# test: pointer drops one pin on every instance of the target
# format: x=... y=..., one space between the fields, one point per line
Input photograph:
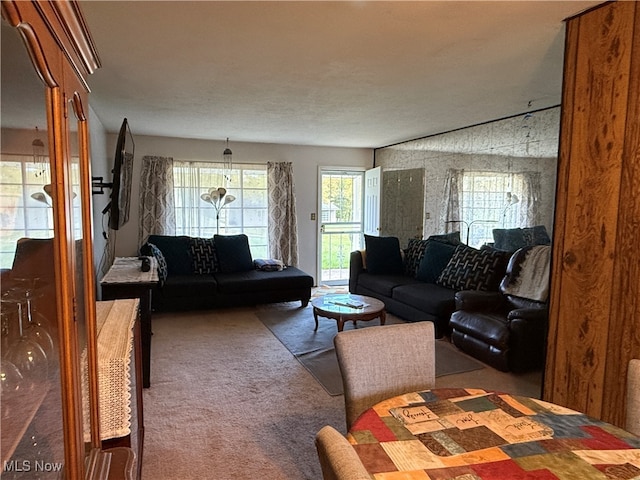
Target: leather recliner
x=508 y=329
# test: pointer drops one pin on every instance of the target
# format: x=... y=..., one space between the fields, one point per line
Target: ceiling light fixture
x=37 y=147
x=227 y=161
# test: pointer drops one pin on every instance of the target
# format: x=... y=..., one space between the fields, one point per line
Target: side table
x=125 y=279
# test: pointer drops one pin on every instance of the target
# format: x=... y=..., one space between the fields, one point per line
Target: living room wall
x=306 y=161
x=101 y=164
x=516 y=143
x=525 y=142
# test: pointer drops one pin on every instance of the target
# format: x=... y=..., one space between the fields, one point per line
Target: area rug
x=293 y=326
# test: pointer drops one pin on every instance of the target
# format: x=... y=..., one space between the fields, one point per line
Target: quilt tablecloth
x=473 y=434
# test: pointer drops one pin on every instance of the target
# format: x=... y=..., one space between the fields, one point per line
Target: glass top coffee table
x=347 y=308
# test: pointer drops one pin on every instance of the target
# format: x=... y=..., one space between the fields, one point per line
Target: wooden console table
x=120 y=376
x=125 y=279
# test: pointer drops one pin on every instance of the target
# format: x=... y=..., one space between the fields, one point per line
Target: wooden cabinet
x=595 y=287
x=47 y=53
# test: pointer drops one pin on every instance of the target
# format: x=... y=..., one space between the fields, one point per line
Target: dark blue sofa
x=198 y=273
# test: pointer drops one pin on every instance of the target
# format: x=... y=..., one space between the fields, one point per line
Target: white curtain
x=187 y=198
x=530 y=208
x=452 y=201
x=283 y=227
x=157 y=205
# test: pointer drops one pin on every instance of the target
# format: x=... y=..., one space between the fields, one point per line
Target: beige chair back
x=380 y=362
x=632 y=423
x=338 y=459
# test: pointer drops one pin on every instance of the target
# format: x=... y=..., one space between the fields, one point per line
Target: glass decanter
x=27 y=355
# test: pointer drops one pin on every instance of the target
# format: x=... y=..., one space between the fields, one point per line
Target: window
x=489 y=200
x=247 y=214
x=20 y=214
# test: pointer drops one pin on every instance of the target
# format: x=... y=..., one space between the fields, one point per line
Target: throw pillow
x=452 y=238
x=511 y=239
x=501 y=268
x=234 y=254
x=163 y=271
x=508 y=239
x=176 y=252
x=383 y=255
x=416 y=247
x=203 y=255
x=471 y=269
x=412 y=255
x=536 y=235
x=268 y=264
x=436 y=256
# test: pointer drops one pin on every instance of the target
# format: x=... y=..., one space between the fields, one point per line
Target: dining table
x=475 y=434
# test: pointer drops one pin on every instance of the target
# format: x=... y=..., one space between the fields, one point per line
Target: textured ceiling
x=352 y=74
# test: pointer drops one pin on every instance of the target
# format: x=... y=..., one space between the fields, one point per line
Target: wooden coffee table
x=347 y=308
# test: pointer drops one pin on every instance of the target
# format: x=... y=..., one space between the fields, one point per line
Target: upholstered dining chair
x=632 y=418
x=338 y=459
x=384 y=361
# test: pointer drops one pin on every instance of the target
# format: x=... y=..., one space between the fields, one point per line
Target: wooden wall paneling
x=586 y=269
x=624 y=344
x=587 y=265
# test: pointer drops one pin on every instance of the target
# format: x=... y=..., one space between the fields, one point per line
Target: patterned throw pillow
x=203 y=255
x=536 y=235
x=413 y=254
x=511 y=239
x=471 y=269
x=163 y=271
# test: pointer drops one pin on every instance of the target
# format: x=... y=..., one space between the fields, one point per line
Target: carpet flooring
x=314 y=350
x=229 y=402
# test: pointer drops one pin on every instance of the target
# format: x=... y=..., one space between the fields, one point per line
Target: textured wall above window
x=523 y=143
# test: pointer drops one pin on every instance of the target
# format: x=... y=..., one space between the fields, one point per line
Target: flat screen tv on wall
x=120 y=203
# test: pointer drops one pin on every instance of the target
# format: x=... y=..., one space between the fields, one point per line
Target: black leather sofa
x=423 y=285
x=508 y=329
x=197 y=273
